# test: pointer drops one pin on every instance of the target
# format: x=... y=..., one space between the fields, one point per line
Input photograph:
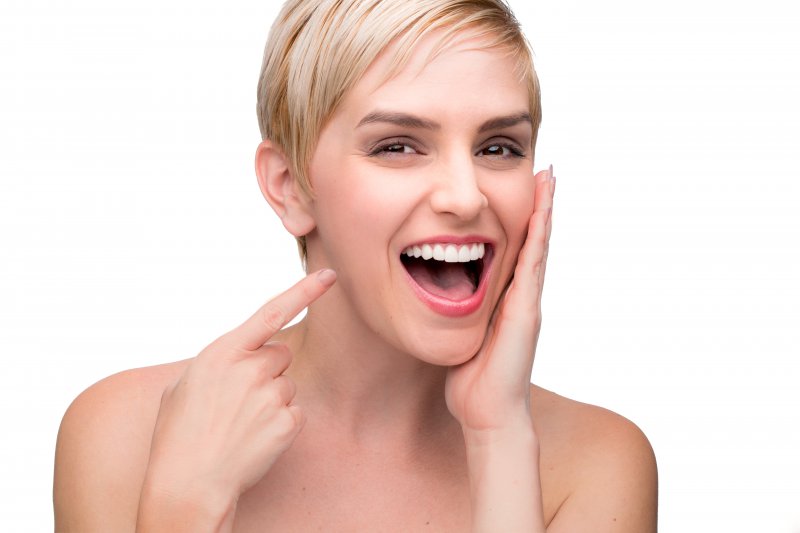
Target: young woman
x=398 y=144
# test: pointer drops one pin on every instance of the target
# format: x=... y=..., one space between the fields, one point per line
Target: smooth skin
x=598 y=466
x=330 y=424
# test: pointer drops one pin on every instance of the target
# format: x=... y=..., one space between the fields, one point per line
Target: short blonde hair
x=317 y=50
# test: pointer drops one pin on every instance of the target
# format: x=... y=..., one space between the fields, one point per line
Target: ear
x=281 y=190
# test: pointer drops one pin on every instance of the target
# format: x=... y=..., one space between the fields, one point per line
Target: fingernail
x=326 y=276
x=551 y=172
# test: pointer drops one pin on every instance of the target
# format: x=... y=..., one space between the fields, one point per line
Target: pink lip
x=460 y=308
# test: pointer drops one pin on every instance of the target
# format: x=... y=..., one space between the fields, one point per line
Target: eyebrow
x=398 y=119
x=411 y=121
x=505 y=122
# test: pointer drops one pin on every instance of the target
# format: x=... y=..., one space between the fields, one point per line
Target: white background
x=132 y=231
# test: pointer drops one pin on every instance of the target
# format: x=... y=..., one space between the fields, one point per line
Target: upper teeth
x=449 y=253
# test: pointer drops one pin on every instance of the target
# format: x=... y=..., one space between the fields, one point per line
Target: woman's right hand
x=227 y=419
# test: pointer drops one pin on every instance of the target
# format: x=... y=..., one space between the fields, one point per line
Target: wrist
x=505 y=488
x=514 y=430
x=178 y=507
x=499 y=446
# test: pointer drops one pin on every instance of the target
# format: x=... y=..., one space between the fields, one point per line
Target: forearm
x=505 y=488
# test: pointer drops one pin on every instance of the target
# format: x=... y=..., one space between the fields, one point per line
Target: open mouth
x=449 y=271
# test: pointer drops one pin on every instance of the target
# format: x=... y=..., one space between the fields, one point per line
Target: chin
x=446 y=350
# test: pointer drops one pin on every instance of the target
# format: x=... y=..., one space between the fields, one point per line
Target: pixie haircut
x=318 y=50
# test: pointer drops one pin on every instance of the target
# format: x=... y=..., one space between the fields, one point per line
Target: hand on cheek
x=492 y=390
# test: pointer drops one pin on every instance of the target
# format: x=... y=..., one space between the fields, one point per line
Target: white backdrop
x=132 y=231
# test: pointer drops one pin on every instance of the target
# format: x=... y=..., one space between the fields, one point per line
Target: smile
x=449 y=277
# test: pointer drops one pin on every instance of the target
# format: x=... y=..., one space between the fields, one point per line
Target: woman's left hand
x=491 y=391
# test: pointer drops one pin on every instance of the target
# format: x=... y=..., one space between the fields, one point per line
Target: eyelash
x=382 y=148
x=515 y=151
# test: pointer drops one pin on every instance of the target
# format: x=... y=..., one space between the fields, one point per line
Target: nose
x=457 y=191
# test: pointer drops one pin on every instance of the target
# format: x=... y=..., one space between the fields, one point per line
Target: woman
x=398 y=143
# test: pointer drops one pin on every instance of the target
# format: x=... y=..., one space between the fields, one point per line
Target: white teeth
x=450 y=253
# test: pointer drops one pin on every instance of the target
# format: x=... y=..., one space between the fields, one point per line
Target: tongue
x=446 y=280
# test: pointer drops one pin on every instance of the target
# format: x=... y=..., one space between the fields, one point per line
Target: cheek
x=513 y=203
x=358 y=212
x=368 y=200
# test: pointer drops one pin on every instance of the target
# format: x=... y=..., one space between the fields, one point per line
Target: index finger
x=267 y=321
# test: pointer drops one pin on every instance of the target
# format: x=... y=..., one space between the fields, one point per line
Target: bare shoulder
x=103 y=447
x=599 y=466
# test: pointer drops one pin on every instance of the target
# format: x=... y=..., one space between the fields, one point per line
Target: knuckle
x=538 y=266
x=291 y=389
x=274 y=394
x=280 y=347
x=273 y=317
x=278 y=350
x=276 y=360
x=261 y=372
x=541 y=238
x=285 y=387
x=284 y=423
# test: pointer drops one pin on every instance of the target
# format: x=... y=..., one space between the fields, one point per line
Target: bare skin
x=592 y=461
x=376 y=412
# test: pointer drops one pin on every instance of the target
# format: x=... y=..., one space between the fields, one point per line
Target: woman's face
x=437 y=159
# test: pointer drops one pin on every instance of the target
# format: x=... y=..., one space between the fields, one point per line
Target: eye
x=393 y=148
x=501 y=151
x=398 y=149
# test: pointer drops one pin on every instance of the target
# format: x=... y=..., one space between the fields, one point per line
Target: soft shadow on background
x=132 y=231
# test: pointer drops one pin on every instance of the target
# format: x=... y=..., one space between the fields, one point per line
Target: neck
x=360 y=388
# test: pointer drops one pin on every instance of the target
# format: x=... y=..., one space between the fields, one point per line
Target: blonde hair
x=317 y=50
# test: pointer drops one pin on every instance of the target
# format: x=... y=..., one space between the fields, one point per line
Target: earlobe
x=281 y=190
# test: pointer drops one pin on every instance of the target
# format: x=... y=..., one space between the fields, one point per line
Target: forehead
x=464 y=71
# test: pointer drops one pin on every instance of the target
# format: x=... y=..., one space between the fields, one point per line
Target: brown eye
x=398 y=149
x=393 y=148
x=501 y=151
x=495 y=150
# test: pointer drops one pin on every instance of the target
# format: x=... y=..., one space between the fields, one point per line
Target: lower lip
x=453 y=308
